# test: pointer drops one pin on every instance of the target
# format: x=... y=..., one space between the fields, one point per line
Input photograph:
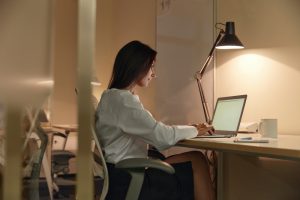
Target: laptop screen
x=228 y=113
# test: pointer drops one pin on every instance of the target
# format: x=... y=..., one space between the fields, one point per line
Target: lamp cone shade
x=230 y=40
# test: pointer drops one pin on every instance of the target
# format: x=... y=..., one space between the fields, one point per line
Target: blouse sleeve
x=134 y=120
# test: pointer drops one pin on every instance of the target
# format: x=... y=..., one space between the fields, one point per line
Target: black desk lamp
x=225 y=40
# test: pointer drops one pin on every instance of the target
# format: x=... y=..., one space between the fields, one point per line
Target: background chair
x=60 y=158
x=59 y=161
x=35 y=147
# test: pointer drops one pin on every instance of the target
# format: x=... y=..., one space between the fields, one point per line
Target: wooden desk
x=66 y=127
x=62 y=128
x=285 y=147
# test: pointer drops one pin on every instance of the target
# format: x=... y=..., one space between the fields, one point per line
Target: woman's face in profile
x=144 y=82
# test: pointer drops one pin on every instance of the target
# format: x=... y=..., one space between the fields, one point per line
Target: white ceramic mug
x=268 y=128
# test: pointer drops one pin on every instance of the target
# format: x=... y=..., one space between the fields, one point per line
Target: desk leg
x=220 y=177
x=47 y=172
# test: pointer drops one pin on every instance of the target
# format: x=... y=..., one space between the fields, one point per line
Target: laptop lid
x=228 y=114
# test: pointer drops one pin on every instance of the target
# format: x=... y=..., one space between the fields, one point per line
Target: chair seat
x=62 y=156
x=60 y=161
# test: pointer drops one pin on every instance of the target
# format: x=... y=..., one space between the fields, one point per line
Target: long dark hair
x=132 y=63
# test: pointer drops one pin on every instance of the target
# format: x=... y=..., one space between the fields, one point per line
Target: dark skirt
x=157 y=185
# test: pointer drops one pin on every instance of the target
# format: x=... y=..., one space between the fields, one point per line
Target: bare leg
x=203 y=189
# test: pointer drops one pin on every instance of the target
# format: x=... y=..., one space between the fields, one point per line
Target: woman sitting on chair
x=126 y=129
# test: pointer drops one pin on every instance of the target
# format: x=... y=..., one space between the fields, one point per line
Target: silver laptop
x=227 y=116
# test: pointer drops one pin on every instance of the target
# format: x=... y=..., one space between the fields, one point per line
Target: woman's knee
x=198 y=155
x=191 y=156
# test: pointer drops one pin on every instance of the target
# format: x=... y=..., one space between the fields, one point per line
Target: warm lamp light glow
x=230 y=47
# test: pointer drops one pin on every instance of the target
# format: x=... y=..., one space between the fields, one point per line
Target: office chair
x=134 y=166
x=64 y=182
x=60 y=158
x=32 y=182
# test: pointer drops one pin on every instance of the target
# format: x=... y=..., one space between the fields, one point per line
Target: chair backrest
x=99 y=160
x=134 y=166
x=105 y=171
x=36 y=156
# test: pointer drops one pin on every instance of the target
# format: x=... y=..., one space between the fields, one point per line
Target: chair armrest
x=59 y=134
x=139 y=163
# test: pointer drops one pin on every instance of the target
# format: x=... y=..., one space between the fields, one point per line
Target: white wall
x=25 y=52
x=184 y=39
x=119 y=22
x=268 y=69
x=63 y=99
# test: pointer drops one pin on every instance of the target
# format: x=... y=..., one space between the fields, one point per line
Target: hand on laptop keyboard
x=204 y=128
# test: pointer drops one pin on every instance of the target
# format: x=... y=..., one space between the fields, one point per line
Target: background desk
x=286 y=147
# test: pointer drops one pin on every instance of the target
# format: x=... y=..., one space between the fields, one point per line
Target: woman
x=126 y=129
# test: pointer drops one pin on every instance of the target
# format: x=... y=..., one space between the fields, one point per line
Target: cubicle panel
x=25 y=76
x=85 y=62
x=25 y=50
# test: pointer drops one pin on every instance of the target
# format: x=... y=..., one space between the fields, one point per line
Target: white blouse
x=125 y=127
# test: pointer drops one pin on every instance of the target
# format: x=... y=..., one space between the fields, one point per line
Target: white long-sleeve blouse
x=125 y=128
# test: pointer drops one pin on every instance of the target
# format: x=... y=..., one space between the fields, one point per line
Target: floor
x=66 y=185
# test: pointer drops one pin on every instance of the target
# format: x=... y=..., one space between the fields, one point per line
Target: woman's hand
x=204 y=128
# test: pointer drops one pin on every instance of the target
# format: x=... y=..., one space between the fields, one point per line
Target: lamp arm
x=204 y=103
x=210 y=55
x=199 y=75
